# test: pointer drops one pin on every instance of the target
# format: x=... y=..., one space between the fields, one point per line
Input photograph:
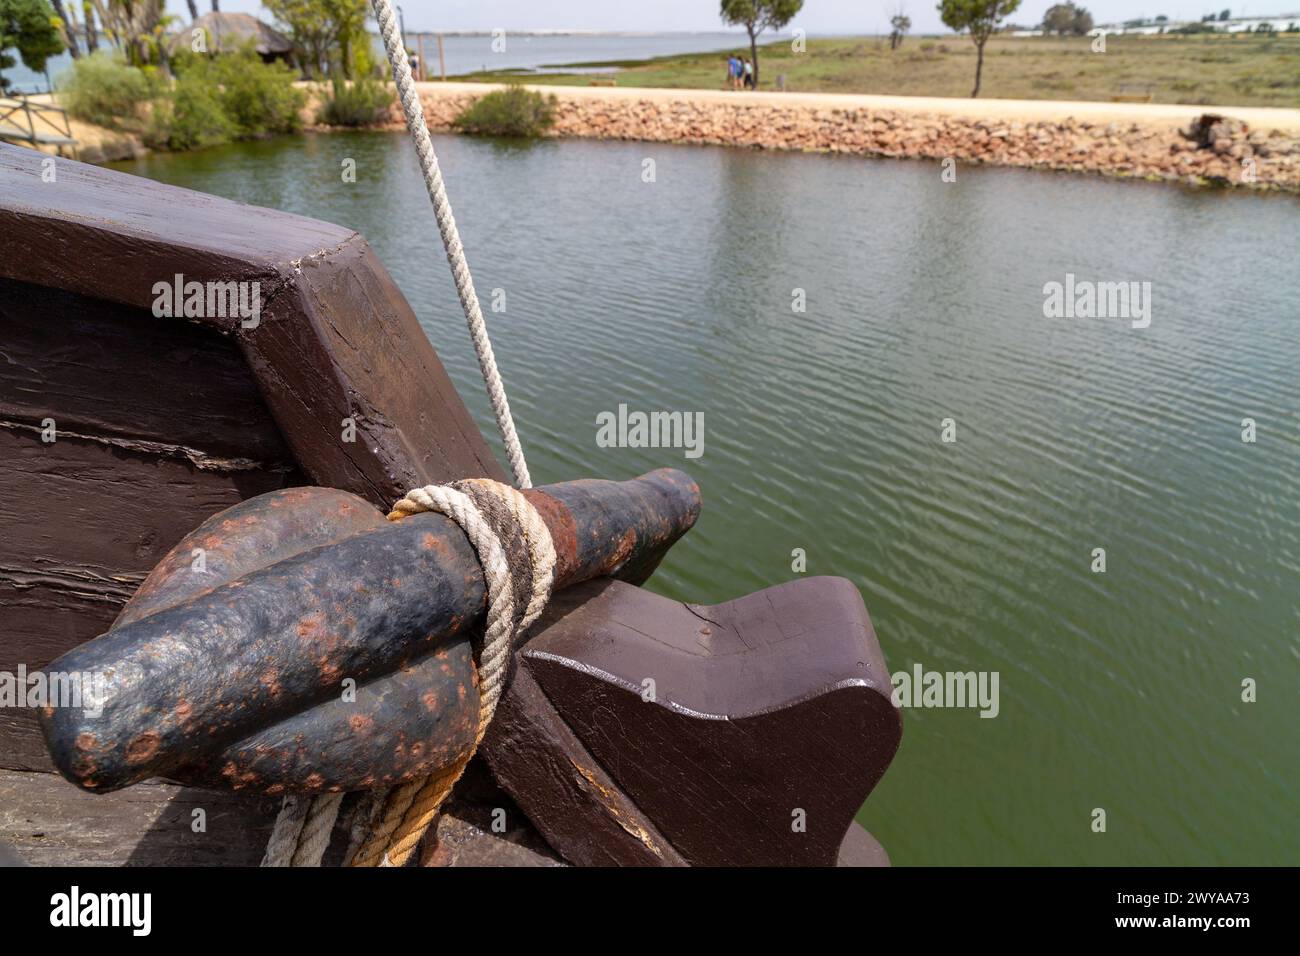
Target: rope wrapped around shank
x=515 y=550
x=518 y=557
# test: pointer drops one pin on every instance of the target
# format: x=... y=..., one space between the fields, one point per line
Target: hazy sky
x=818 y=16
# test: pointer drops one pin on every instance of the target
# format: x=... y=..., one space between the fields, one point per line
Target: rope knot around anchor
x=517 y=555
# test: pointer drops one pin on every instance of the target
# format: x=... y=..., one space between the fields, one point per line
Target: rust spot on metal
x=360 y=723
x=311 y=626
x=142 y=748
x=564 y=532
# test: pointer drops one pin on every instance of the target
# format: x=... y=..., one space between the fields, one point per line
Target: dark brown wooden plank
x=764 y=711
x=563 y=789
x=38 y=622
x=88 y=517
x=105 y=370
x=336 y=339
x=341 y=342
x=109 y=235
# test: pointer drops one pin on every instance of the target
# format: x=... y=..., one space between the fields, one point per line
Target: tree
x=1059 y=18
x=194 y=10
x=133 y=26
x=27 y=26
x=1063 y=18
x=1225 y=15
x=899 y=25
x=324 y=32
x=980 y=18
x=88 y=13
x=759 y=15
x=66 y=24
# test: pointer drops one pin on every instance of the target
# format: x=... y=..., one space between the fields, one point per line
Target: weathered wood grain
x=161 y=386
x=48 y=822
x=336 y=339
x=83 y=522
x=750 y=732
x=563 y=788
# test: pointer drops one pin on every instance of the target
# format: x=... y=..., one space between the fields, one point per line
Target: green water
x=1120 y=691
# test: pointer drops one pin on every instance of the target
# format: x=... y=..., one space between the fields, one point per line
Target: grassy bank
x=1238 y=70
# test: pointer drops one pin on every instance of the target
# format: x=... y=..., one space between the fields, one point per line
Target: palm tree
x=132 y=26
x=67 y=27
x=92 y=38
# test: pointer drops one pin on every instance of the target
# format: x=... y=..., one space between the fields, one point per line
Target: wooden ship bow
x=316 y=647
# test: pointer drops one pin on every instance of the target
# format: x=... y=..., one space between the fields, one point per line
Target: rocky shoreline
x=1211 y=149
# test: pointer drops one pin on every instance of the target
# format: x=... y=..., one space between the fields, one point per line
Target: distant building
x=1280 y=24
x=228 y=32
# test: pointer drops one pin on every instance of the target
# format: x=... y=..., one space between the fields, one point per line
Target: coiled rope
x=512 y=542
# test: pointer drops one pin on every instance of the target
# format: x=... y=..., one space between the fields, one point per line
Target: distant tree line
x=329 y=36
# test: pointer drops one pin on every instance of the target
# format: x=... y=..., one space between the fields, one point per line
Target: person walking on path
x=734 y=71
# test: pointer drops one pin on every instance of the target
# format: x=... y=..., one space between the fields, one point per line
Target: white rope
x=314 y=838
x=503 y=623
x=289 y=826
x=414 y=112
x=284 y=835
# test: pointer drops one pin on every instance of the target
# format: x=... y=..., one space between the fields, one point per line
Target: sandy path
x=1025 y=111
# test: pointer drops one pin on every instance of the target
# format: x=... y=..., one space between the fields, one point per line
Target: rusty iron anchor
x=299 y=642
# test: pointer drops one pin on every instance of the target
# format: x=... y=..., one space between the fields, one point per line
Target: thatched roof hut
x=227 y=32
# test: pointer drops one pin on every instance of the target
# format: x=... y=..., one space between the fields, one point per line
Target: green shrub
x=103 y=90
x=190 y=117
x=258 y=98
x=361 y=103
x=514 y=111
x=217 y=99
